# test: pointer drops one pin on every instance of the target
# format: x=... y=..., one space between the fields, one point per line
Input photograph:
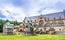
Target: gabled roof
x=50 y=16
x=55 y=15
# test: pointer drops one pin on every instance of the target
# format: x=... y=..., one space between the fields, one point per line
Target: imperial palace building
x=45 y=22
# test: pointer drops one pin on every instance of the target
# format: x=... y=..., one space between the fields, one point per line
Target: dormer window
x=54 y=18
x=48 y=19
x=60 y=18
x=35 y=20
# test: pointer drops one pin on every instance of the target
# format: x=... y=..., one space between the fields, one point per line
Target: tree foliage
x=4 y=21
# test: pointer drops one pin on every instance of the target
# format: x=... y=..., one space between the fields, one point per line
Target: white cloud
x=50 y=6
x=48 y=11
x=13 y=13
x=18 y=12
x=37 y=5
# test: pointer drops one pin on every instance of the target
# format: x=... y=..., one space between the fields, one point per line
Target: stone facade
x=45 y=22
x=8 y=28
x=41 y=22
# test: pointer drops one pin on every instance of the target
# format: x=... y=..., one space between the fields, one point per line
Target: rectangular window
x=47 y=25
x=61 y=23
x=41 y=25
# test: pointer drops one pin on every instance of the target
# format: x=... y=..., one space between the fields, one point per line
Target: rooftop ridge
x=45 y=14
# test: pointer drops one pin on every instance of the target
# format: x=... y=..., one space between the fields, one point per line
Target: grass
x=37 y=37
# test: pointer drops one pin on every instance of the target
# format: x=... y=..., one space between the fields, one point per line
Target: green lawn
x=37 y=37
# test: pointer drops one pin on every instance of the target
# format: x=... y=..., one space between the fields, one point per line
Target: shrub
x=51 y=31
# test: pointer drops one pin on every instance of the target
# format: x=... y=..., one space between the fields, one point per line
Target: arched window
x=21 y=30
x=59 y=29
x=26 y=26
x=41 y=23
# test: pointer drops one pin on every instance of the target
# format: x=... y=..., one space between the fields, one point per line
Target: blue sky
x=19 y=9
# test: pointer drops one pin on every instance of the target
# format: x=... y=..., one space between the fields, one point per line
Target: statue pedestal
x=29 y=31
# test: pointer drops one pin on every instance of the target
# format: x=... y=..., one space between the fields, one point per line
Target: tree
x=1 y=24
x=4 y=21
x=15 y=22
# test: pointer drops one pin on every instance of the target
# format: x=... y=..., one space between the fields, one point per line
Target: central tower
x=41 y=21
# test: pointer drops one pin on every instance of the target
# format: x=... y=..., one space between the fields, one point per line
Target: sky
x=19 y=9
